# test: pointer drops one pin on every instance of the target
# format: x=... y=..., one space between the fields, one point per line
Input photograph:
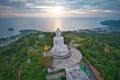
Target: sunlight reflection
x=57 y=24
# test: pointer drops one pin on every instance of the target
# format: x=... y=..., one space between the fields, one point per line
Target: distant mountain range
x=111 y=23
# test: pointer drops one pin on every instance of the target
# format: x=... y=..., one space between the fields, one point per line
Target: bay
x=47 y=24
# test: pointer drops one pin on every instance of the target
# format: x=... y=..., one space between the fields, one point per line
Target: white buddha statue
x=59 y=48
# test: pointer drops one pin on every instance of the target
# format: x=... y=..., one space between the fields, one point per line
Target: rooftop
x=76 y=73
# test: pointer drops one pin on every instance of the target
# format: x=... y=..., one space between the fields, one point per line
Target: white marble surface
x=59 y=48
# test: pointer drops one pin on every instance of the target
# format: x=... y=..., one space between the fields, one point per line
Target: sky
x=60 y=8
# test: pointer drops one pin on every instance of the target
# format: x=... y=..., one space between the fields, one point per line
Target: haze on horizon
x=59 y=8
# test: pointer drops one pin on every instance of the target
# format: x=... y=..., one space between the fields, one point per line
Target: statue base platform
x=60 y=56
x=71 y=59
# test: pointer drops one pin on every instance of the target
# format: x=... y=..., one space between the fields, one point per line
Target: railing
x=91 y=73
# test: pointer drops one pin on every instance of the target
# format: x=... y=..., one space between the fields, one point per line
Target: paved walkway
x=68 y=62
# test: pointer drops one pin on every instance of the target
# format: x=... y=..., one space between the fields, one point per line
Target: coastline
x=11 y=39
x=110 y=28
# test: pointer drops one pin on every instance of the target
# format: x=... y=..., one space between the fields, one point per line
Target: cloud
x=81 y=7
x=4 y=9
x=17 y=0
x=105 y=11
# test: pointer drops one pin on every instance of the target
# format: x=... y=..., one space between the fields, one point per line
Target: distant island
x=111 y=23
x=10 y=29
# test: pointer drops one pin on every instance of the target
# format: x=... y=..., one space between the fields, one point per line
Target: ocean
x=47 y=24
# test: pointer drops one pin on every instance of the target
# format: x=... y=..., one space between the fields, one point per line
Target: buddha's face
x=58 y=32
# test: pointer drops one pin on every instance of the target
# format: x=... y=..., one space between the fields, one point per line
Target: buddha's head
x=58 y=32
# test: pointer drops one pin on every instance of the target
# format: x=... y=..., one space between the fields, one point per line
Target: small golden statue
x=46 y=47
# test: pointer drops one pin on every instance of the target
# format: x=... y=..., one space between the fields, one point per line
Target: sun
x=57 y=10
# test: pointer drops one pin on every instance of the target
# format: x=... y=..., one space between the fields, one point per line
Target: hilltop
x=102 y=50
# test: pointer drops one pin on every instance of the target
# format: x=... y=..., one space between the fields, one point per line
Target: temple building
x=75 y=73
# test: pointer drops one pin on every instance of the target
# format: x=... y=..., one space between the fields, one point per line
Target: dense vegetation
x=102 y=50
x=14 y=59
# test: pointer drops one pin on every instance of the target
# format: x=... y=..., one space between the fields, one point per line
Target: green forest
x=102 y=50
